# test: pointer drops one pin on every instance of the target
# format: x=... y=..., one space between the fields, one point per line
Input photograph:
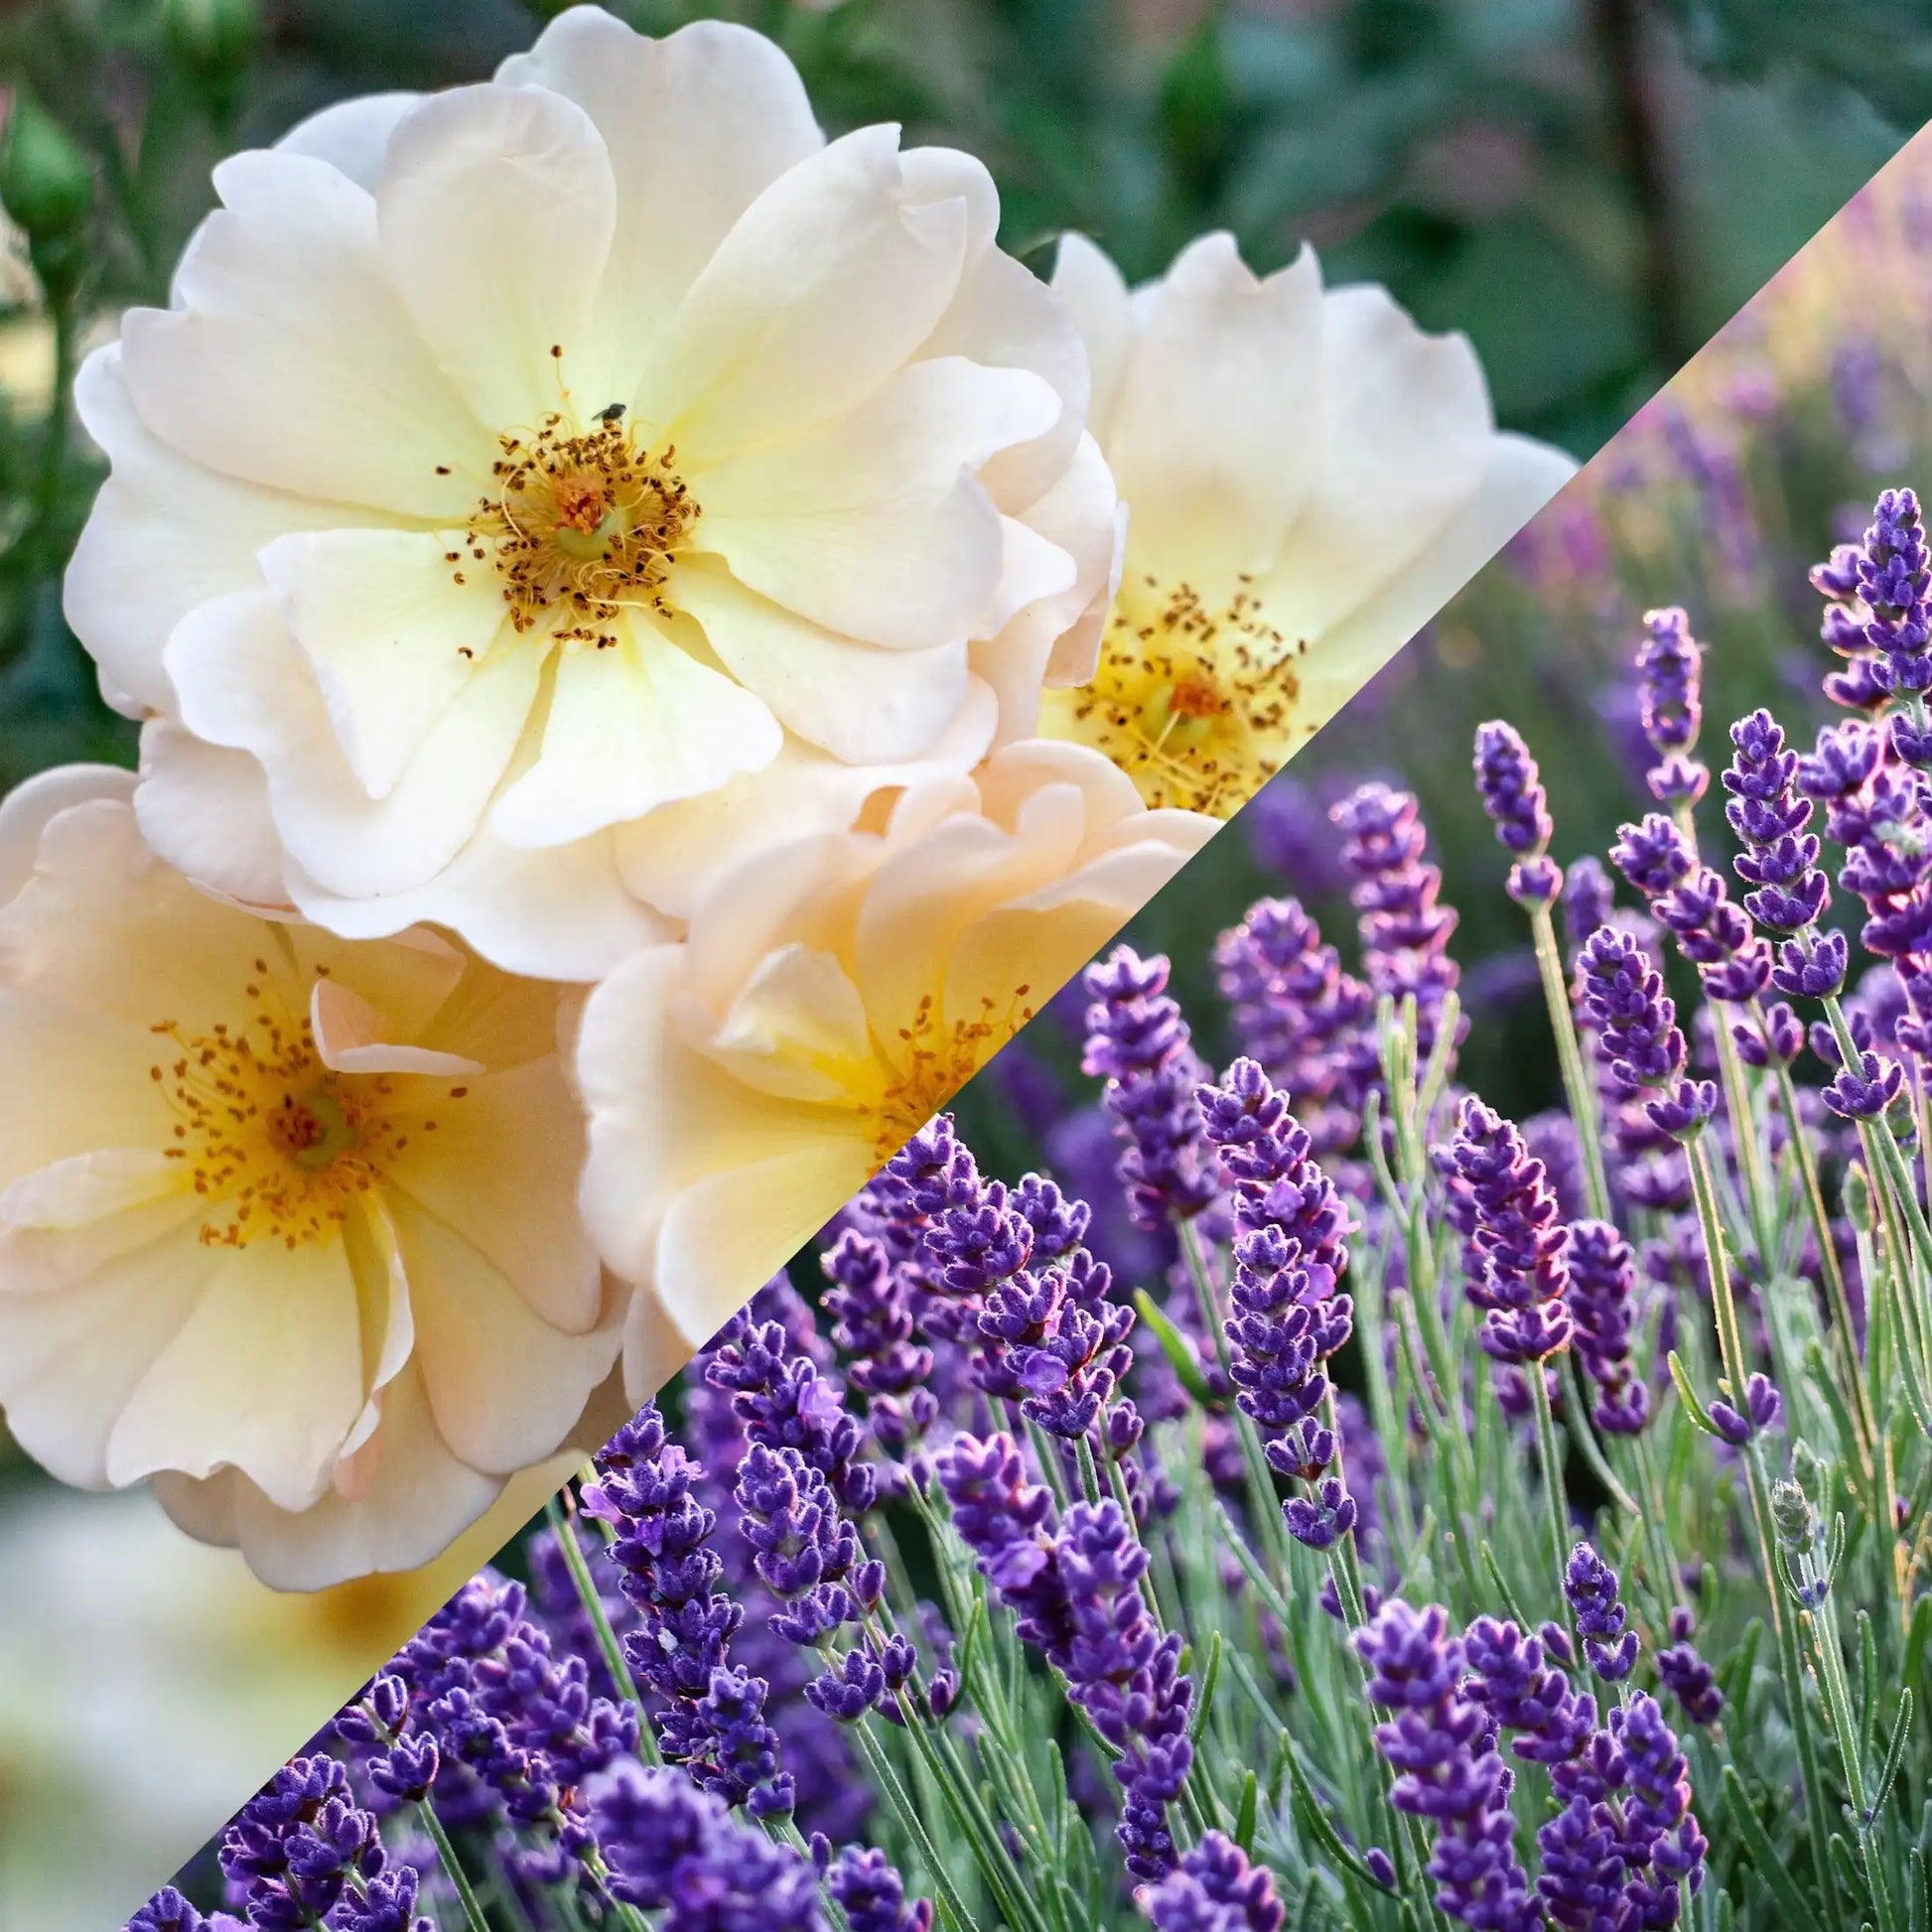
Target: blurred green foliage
x=1588 y=187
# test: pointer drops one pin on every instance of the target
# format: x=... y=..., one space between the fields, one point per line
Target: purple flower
x=1782 y=858
x=1581 y=1885
x=1037 y=1306
x=1405 y=931
x=1661 y=1830
x=713 y=1719
x=849 y=1690
x=1590 y=1585
x=674 y=1848
x=1693 y=901
x=1126 y=1675
x=806 y=1551
x=1776 y=1040
x=1516 y=1240
x=1601 y=1297
x=871 y=1894
x=1511 y=790
x=1076 y=1594
x=1214 y=1888
x=1517 y=1678
x=1323 y=1519
x=300 y=1846
x=1860 y=685
x=1685 y=1674
x=1054 y=1338
x=1286 y=1320
x=1436 y=1740
x=389 y=1904
x=169 y=1911
x=1763 y=1407
x=1894 y=578
x=1878 y=813
x=1670 y=687
x=1637 y=1036
x=783 y=1401
x=1137 y=1041
x=1007 y=1523
x=1300 y=1017
x=1653 y=855
x=1866 y=1091
x=872 y=1324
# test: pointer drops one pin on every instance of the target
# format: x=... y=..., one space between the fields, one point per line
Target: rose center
x=1196 y=704
x=579 y=525
x=315 y=1130
x=275 y=1144
x=936 y=1058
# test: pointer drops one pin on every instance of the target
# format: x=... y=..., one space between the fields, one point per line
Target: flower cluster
x=1670 y=674
x=554 y=521
x=1287 y=1316
x=1405 y=928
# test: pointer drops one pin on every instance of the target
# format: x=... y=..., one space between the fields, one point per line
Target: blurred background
x=1590 y=188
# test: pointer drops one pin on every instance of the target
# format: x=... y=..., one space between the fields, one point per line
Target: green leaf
x=1487 y=1558
x=1693 y=1408
x=1765 y=1856
x=1244 y=1815
x=1178 y=1349
x=1735 y=1679
x=1316 y=1823
x=1894 y=1751
x=1211 y=1677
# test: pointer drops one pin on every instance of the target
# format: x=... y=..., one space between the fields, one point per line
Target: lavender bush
x=1367 y=1511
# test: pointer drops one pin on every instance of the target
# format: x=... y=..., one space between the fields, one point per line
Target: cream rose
x=287 y=1225
x=517 y=463
x=1306 y=476
x=831 y=996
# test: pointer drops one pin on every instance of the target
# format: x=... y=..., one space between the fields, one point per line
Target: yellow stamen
x=1197 y=706
x=935 y=1058
x=276 y=1144
x=579 y=524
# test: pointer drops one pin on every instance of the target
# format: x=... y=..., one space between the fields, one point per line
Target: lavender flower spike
x=1893 y=580
x=1437 y=1741
x=1137 y=1041
x=1762 y=1409
x=1511 y=790
x=711 y=1717
x=1290 y=1251
x=871 y=1894
x=671 y=1848
x=1685 y=1674
x=1637 y=1035
x=1780 y=859
x=169 y=1911
x=1590 y=1587
x=1405 y=930
x=1661 y=1829
x=1517 y=1243
x=1602 y=1308
x=1670 y=692
x=1215 y=1890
